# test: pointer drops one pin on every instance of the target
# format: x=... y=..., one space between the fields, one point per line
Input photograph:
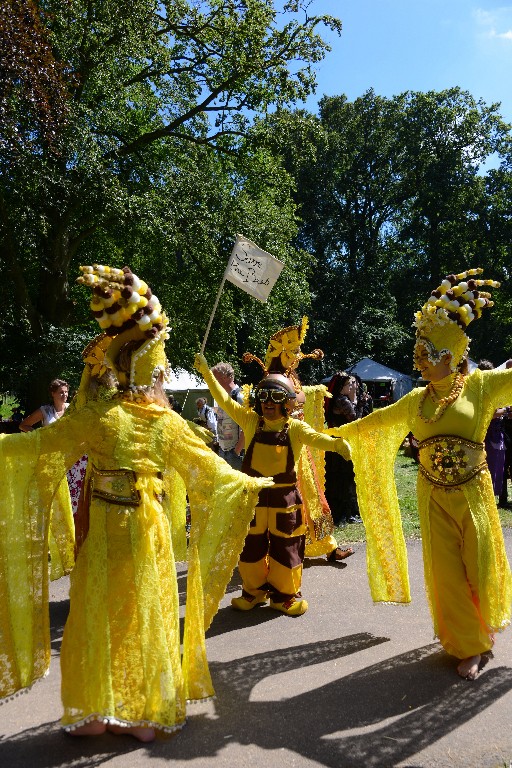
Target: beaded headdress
x=442 y=321
x=127 y=310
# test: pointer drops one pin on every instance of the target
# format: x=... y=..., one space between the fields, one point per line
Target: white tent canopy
x=186 y=388
x=180 y=380
x=370 y=371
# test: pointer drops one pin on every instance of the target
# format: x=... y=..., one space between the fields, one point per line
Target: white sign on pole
x=251 y=269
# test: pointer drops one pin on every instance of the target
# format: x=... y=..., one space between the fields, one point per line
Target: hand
x=343 y=448
x=200 y=364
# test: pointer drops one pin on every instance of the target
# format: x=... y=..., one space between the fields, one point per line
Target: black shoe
x=504 y=504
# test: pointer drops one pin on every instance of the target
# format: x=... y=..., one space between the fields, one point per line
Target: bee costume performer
x=284 y=354
x=271 y=561
x=121 y=663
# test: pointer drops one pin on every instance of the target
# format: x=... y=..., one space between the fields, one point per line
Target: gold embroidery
x=116 y=486
x=449 y=461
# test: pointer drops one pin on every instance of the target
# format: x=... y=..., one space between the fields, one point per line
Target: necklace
x=443 y=402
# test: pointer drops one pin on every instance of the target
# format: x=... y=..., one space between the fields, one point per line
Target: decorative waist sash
x=117 y=486
x=448 y=460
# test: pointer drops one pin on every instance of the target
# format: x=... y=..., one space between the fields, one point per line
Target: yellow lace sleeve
x=204 y=434
x=496 y=392
x=314 y=416
x=61 y=535
x=31 y=468
x=175 y=507
x=374 y=442
x=222 y=505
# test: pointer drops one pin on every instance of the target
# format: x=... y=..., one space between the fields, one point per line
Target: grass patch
x=406 y=471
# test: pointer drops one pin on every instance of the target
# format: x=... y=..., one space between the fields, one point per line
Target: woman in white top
x=59 y=391
x=47 y=414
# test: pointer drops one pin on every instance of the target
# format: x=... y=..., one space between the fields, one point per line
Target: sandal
x=339 y=554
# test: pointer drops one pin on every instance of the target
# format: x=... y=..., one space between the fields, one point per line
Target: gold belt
x=117 y=486
x=448 y=461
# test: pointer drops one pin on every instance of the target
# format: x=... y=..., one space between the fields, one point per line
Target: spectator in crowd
x=230 y=436
x=507 y=469
x=49 y=413
x=347 y=403
x=495 y=441
x=206 y=416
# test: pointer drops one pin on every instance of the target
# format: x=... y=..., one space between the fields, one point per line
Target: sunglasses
x=276 y=395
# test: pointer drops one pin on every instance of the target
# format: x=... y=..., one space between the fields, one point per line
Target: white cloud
x=491 y=23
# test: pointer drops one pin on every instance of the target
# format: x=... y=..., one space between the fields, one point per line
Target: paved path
x=347 y=685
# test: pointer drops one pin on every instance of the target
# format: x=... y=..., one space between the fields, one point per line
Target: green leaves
x=154 y=167
x=391 y=198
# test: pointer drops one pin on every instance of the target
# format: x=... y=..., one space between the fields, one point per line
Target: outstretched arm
x=237 y=412
x=321 y=441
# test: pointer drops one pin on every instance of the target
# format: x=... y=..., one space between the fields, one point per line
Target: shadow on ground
x=379 y=716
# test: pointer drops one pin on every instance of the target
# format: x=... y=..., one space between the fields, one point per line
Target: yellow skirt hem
x=200 y=701
x=108 y=720
x=21 y=691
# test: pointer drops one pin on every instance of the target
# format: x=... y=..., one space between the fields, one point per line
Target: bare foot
x=140 y=733
x=469 y=668
x=95 y=728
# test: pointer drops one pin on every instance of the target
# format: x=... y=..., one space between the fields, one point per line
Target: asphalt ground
x=350 y=685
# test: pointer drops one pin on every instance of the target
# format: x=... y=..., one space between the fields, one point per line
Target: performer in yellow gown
x=284 y=353
x=467 y=573
x=121 y=662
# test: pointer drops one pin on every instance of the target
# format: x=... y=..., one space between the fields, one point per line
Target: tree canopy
x=392 y=195
x=134 y=150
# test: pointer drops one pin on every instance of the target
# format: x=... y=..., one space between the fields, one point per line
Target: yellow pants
x=273 y=553
x=454 y=553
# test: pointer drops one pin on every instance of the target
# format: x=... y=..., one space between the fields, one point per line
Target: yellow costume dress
x=320 y=538
x=120 y=657
x=456 y=505
x=284 y=354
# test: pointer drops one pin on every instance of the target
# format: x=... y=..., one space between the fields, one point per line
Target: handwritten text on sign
x=253 y=270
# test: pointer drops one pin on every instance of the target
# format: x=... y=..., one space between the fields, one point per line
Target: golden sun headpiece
x=287 y=343
x=284 y=354
x=127 y=311
x=442 y=321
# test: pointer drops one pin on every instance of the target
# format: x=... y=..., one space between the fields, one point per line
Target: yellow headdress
x=288 y=341
x=127 y=311
x=284 y=354
x=443 y=319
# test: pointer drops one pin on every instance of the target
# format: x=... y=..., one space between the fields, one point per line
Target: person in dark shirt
x=347 y=403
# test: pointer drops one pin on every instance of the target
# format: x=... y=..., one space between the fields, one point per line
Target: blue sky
x=394 y=46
